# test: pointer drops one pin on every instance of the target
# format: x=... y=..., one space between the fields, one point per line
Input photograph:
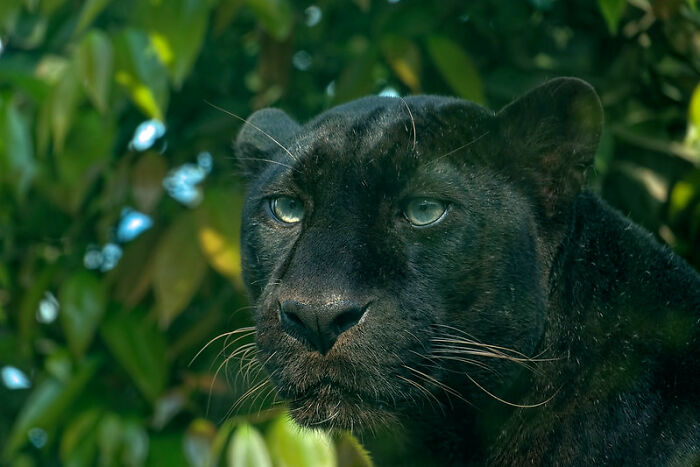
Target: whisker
x=217 y=338
x=245 y=121
x=521 y=406
x=461 y=147
x=413 y=122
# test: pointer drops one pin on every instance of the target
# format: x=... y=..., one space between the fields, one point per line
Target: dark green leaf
x=140 y=348
x=89 y=11
x=83 y=303
x=79 y=442
x=17 y=167
x=178 y=269
x=457 y=67
x=612 y=12
x=275 y=16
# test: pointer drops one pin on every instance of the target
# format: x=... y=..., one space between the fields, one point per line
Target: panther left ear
x=549 y=138
x=265 y=137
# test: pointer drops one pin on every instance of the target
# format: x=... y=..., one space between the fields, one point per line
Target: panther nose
x=319 y=326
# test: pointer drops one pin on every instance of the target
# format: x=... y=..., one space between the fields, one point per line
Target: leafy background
x=120 y=200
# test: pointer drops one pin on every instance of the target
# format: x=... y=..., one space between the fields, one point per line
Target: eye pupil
x=424 y=211
x=287 y=210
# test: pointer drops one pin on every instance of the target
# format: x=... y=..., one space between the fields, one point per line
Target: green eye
x=287 y=210
x=424 y=211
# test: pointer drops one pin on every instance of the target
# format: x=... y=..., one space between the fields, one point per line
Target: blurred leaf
x=351 y=453
x=88 y=13
x=147 y=181
x=16 y=152
x=293 y=446
x=94 y=62
x=83 y=303
x=457 y=67
x=79 y=442
x=165 y=23
x=178 y=269
x=219 y=226
x=404 y=58
x=140 y=349
x=47 y=7
x=141 y=73
x=225 y=12
x=64 y=99
x=684 y=192
x=275 y=16
x=693 y=136
x=47 y=403
x=198 y=441
x=135 y=447
x=133 y=275
x=612 y=12
x=356 y=78
x=247 y=449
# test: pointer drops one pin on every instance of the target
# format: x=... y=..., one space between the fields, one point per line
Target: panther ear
x=265 y=135
x=549 y=137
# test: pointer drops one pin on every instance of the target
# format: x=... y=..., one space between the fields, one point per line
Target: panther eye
x=424 y=211
x=287 y=210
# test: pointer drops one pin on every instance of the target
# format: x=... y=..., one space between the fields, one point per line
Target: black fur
x=529 y=290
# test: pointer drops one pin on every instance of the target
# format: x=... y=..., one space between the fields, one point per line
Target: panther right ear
x=265 y=137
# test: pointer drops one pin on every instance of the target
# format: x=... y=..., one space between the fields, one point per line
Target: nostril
x=347 y=319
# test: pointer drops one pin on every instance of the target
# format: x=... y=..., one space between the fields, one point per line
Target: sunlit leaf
x=140 y=348
x=693 y=136
x=165 y=23
x=83 y=303
x=293 y=446
x=247 y=449
x=351 y=451
x=79 y=442
x=88 y=13
x=47 y=403
x=404 y=58
x=17 y=167
x=275 y=16
x=94 y=62
x=218 y=231
x=612 y=11
x=457 y=67
x=178 y=269
x=141 y=73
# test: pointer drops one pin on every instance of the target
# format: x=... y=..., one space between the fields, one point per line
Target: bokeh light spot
x=181 y=183
x=146 y=134
x=389 y=92
x=132 y=224
x=313 y=15
x=302 y=60
x=14 y=378
x=38 y=437
x=111 y=254
x=48 y=308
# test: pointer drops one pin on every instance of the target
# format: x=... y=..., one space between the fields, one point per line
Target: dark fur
x=525 y=260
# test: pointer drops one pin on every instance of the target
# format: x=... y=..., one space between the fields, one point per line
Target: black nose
x=319 y=326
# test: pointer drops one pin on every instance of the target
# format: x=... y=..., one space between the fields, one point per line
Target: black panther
x=430 y=266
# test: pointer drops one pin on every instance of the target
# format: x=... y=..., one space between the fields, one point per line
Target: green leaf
x=17 y=167
x=198 y=441
x=293 y=446
x=83 y=303
x=275 y=16
x=94 y=61
x=612 y=11
x=165 y=22
x=79 y=442
x=178 y=269
x=64 y=99
x=140 y=348
x=47 y=403
x=457 y=67
x=88 y=13
x=141 y=73
x=219 y=226
x=247 y=449
x=147 y=181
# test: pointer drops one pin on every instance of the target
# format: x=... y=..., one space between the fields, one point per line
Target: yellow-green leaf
x=83 y=301
x=293 y=446
x=94 y=60
x=178 y=269
x=457 y=67
x=404 y=58
x=247 y=449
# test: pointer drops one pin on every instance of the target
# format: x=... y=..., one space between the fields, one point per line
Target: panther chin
x=327 y=406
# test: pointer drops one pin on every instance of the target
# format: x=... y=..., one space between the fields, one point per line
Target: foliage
x=119 y=250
